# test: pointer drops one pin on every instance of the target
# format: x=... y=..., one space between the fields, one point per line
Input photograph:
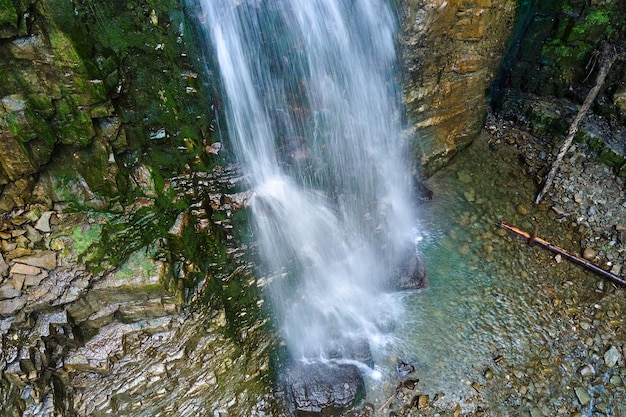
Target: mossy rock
x=8 y=19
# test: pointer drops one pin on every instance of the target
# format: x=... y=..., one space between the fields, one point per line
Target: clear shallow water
x=495 y=306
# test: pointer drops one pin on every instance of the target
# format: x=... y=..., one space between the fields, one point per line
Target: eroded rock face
x=124 y=337
x=79 y=101
x=450 y=51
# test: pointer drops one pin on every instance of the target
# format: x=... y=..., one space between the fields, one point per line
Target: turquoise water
x=493 y=305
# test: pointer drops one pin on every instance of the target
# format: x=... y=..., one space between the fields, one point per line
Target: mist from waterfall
x=312 y=112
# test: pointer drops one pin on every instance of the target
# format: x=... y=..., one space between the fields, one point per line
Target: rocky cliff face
x=451 y=52
x=91 y=91
x=116 y=214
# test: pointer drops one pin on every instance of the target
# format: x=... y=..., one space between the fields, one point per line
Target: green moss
x=140 y=262
x=599 y=17
x=84 y=237
x=8 y=13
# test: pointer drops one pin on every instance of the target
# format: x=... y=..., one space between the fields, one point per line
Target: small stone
x=522 y=210
x=583 y=396
x=20 y=268
x=587 y=370
x=18 y=281
x=8 y=291
x=214 y=148
x=488 y=374
x=464 y=177
x=4 y=267
x=8 y=307
x=612 y=357
x=578 y=198
x=589 y=254
x=32 y=234
x=43 y=224
x=32 y=280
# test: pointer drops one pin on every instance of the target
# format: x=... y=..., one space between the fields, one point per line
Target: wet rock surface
x=410 y=274
x=82 y=337
x=322 y=387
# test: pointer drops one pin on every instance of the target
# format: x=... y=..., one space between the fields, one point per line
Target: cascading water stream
x=313 y=116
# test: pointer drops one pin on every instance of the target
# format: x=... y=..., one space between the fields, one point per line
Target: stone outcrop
x=87 y=92
x=451 y=52
x=81 y=294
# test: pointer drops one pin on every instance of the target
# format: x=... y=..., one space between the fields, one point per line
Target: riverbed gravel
x=565 y=325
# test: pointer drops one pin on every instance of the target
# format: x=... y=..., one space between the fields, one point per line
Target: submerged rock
x=346 y=348
x=322 y=387
x=409 y=274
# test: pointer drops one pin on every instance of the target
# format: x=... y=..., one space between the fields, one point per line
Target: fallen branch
x=607 y=57
x=386 y=403
x=534 y=240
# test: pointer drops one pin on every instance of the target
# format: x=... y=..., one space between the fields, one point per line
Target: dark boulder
x=316 y=388
x=409 y=274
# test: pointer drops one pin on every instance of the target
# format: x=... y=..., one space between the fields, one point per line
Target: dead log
x=607 y=58
x=534 y=240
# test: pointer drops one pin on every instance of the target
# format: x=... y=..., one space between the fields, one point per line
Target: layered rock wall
x=451 y=52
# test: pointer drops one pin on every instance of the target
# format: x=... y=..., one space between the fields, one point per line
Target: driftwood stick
x=607 y=57
x=534 y=240
x=386 y=403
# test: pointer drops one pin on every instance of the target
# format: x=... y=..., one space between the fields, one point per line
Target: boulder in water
x=322 y=387
x=410 y=273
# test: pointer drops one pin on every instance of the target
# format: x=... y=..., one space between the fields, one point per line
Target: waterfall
x=312 y=111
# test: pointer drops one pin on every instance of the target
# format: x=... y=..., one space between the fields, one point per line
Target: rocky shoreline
x=574 y=326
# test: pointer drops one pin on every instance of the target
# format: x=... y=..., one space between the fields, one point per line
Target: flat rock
x=45 y=259
x=32 y=280
x=8 y=307
x=23 y=269
x=8 y=291
x=43 y=224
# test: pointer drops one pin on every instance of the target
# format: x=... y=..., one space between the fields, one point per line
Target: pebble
x=464 y=177
x=587 y=370
x=612 y=357
x=589 y=254
x=583 y=396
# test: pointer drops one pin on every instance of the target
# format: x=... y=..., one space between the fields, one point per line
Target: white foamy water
x=312 y=111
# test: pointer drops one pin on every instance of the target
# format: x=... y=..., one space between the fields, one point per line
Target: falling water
x=312 y=111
